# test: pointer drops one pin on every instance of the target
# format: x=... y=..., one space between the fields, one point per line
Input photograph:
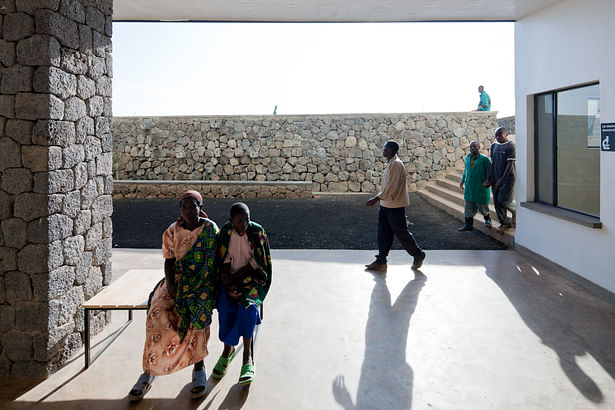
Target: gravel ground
x=327 y=222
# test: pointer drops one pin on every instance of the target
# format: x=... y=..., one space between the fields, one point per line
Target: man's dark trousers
x=392 y=222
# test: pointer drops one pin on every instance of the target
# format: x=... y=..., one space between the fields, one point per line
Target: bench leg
x=86 y=323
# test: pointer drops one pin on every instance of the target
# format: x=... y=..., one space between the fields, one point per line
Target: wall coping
x=290 y=116
x=200 y=182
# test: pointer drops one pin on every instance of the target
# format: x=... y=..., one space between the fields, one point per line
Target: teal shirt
x=484 y=100
x=473 y=177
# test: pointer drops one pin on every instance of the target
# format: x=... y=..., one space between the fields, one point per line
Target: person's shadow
x=386 y=378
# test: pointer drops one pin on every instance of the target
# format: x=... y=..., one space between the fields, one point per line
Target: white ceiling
x=325 y=10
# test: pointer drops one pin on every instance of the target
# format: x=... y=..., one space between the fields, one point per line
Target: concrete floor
x=472 y=330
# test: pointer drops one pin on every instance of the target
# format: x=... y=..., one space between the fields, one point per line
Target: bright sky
x=310 y=68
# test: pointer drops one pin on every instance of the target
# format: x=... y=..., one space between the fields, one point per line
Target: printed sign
x=607 y=136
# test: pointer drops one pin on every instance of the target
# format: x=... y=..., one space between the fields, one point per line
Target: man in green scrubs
x=476 y=196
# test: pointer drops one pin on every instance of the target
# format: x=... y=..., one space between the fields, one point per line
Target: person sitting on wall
x=484 y=103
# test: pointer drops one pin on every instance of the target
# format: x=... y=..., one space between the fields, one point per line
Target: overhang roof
x=325 y=10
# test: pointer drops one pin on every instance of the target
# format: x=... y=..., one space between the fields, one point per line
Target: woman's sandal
x=141 y=387
x=199 y=383
x=247 y=374
x=221 y=365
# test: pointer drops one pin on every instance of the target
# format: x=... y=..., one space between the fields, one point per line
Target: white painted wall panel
x=567 y=44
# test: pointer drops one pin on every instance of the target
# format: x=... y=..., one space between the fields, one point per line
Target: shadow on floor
x=386 y=379
x=565 y=317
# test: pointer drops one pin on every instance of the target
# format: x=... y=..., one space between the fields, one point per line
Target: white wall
x=568 y=44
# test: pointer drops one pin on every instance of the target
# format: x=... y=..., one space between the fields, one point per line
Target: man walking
x=476 y=196
x=484 y=104
x=501 y=178
x=393 y=197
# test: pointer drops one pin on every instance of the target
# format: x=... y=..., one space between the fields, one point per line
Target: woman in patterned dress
x=243 y=273
x=180 y=306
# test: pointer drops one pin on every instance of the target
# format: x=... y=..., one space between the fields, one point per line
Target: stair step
x=454 y=176
x=455 y=209
x=454 y=196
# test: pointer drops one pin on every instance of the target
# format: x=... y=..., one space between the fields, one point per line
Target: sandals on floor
x=141 y=387
x=221 y=365
x=199 y=383
x=247 y=374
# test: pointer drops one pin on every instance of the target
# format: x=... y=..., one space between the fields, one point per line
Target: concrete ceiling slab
x=325 y=10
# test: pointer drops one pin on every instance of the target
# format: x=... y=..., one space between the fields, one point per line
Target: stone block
x=38 y=231
x=30 y=206
x=86 y=88
x=83 y=222
x=60 y=181
x=81 y=175
x=33 y=258
x=88 y=194
x=70 y=304
x=93 y=148
x=95 y=108
x=85 y=128
x=102 y=252
x=95 y=19
x=10 y=155
x=54 y=24
x=18 y=287
x=35 y=156
x=7 y=106
x=85 y=39
x=56 y=81
x=8 y=259
x=73 y=10
x=17 y=26
x=50 y=132
x=73 y=155
x=101 y=43
x=58 y=335
x=30 y=6
x=60 y=227
x=32 y=106
x=14 y=232
x=98 y=68
x=102 y=208
x=103 y=87
x=61 y=281
x=93 y=236
x=75 y=62
x=93 y=283
x=7 y=53
x=39 y=50
x=20 y=131
x=7 y=318
x=104 y=163
x=17 y=180
x=17 y=345
x=16 y=79
x=56 y=255
x=82 y=268
x=73 y=249
x=31 y=316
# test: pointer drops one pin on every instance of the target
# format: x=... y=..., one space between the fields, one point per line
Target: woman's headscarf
x=195 y=196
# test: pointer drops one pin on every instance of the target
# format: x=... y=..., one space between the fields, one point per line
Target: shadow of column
x=386 y=378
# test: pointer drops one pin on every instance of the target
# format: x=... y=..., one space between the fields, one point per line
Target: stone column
x=55 y=176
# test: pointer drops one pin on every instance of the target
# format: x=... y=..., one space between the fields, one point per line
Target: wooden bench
x=129 y=292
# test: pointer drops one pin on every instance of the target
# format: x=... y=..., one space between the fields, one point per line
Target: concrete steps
x=445 y=194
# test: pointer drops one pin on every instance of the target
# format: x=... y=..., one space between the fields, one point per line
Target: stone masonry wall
x=337 y=153
x=55 y=176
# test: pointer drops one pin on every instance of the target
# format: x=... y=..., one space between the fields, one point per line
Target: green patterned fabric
x=195 y=299
x=254 y=287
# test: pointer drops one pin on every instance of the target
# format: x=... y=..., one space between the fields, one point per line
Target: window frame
x=554 y=141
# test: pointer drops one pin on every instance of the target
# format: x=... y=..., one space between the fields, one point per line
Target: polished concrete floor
x=471 y=330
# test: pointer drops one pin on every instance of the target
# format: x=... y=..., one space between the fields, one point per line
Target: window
x=567 y=149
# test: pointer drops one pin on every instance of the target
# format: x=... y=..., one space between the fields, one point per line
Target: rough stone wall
x=55 y=176
x=338 y=153
x=508 y=123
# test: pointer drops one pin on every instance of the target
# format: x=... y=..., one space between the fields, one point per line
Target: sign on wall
x=607 y=136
